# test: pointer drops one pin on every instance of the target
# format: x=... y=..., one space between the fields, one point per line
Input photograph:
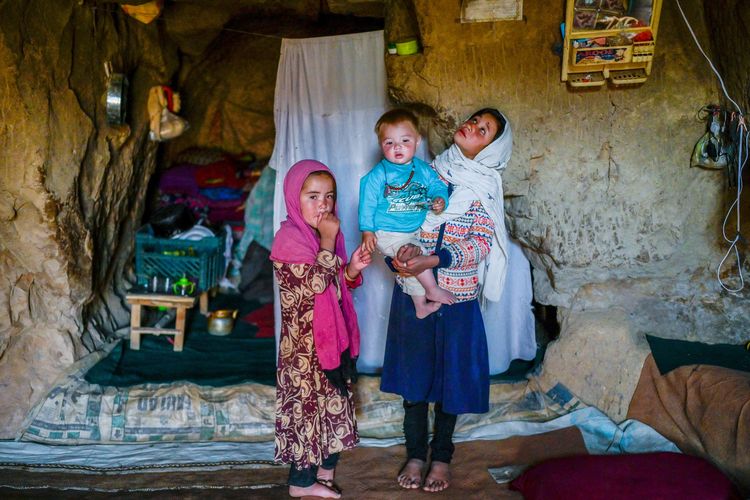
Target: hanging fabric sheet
x=330 y=91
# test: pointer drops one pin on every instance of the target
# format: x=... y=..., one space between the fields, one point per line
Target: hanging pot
x=117 y=99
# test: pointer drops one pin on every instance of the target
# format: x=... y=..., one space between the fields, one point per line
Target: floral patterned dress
x=313 y=419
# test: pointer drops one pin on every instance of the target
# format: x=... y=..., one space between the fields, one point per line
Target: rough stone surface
x=229 y=87
x=623 y=237
x=597 y=177
x=228 y=95
x=599 y=358
x=598 y=189
x=72 y=186
x=602 y=344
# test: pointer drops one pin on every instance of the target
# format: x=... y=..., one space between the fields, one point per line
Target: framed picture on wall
x=478 y=11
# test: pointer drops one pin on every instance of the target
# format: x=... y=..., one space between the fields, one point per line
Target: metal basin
x=117 y=99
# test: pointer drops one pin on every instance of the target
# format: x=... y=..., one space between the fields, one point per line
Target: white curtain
x=330 y=91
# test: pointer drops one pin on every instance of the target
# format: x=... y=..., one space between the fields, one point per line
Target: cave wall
x=72 y=186
x=228 y=71
x=623 y=236
x=228 y=93
x=598 y=189
x=730 y=39
x=597 y=177
x=228 y=85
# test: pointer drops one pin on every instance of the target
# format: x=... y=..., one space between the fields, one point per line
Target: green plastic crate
x=202 y=261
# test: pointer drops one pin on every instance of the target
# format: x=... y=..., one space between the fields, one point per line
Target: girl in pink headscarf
x=319 y=334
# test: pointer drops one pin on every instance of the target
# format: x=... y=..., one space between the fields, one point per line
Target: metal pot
x=117 y=99
x=221 y=322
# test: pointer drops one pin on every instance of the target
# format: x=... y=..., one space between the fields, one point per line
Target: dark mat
x=519 y=369
x=205 y=359
x=362 y=473
x=671 y=353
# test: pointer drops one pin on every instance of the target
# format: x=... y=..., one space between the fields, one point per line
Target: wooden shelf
x=618 y=59
x=586 y=79
x=628 y=77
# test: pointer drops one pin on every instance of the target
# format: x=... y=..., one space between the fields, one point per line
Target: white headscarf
x=479 y=179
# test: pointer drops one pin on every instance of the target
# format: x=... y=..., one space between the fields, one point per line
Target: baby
x=393 y=201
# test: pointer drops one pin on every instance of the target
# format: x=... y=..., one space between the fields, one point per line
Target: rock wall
x=228 y=87
x=730 y=40
x=599 y=192
x=228 y=94
x=623 y=236
x=72 y=186
x=598 y=177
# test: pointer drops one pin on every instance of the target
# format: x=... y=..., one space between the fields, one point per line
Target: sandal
x=328 y=483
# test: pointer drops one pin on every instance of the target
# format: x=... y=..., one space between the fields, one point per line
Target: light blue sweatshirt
x=383 y=206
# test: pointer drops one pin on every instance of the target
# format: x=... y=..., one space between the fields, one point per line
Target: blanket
x=704 y=410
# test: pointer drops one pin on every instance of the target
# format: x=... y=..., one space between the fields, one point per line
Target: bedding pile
x=79 y=412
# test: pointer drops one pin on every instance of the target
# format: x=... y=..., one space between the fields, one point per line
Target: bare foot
x=314 y=490
x=439 y=477
x=424 y=308
x=410 y=476
x=437 y=294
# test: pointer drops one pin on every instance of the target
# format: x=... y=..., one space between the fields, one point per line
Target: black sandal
x=328 y=483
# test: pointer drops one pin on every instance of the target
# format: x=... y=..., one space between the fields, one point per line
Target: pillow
x=673 y=353
x=663 y=475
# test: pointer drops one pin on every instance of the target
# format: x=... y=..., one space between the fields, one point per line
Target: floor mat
x=205 y=360
x=365 y=472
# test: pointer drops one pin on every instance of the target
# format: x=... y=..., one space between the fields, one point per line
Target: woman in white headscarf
x=442 y=359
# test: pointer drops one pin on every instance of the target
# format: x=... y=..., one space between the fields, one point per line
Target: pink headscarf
x=335 y=328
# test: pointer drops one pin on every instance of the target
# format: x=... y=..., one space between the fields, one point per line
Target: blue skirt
x=442 y=358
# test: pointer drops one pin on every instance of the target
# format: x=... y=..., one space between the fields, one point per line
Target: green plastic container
x=202 y=261
x=407 y=47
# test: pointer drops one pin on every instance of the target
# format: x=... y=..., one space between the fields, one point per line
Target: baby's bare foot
x=439 y=477
x=426 y=308
x=437 y=294
x=410 y=476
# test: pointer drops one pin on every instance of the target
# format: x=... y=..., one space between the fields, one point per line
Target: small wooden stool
x=178 y=302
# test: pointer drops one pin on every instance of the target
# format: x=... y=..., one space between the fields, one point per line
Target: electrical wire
x=742 y=154
x=713 y=68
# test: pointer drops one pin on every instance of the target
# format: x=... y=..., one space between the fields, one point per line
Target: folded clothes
x=223 y=193
x=179 y=179
x=219 y=174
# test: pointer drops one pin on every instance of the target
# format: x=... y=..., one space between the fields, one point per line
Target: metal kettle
x=221 y=322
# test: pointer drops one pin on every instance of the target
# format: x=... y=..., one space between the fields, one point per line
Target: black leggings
x=306 y=477
x=416 y=432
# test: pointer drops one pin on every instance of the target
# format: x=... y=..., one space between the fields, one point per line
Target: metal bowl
x=117 y=99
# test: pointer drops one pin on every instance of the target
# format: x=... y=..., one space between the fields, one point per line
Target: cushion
x=704 y=410
x=672 y=353
x=639 y=476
